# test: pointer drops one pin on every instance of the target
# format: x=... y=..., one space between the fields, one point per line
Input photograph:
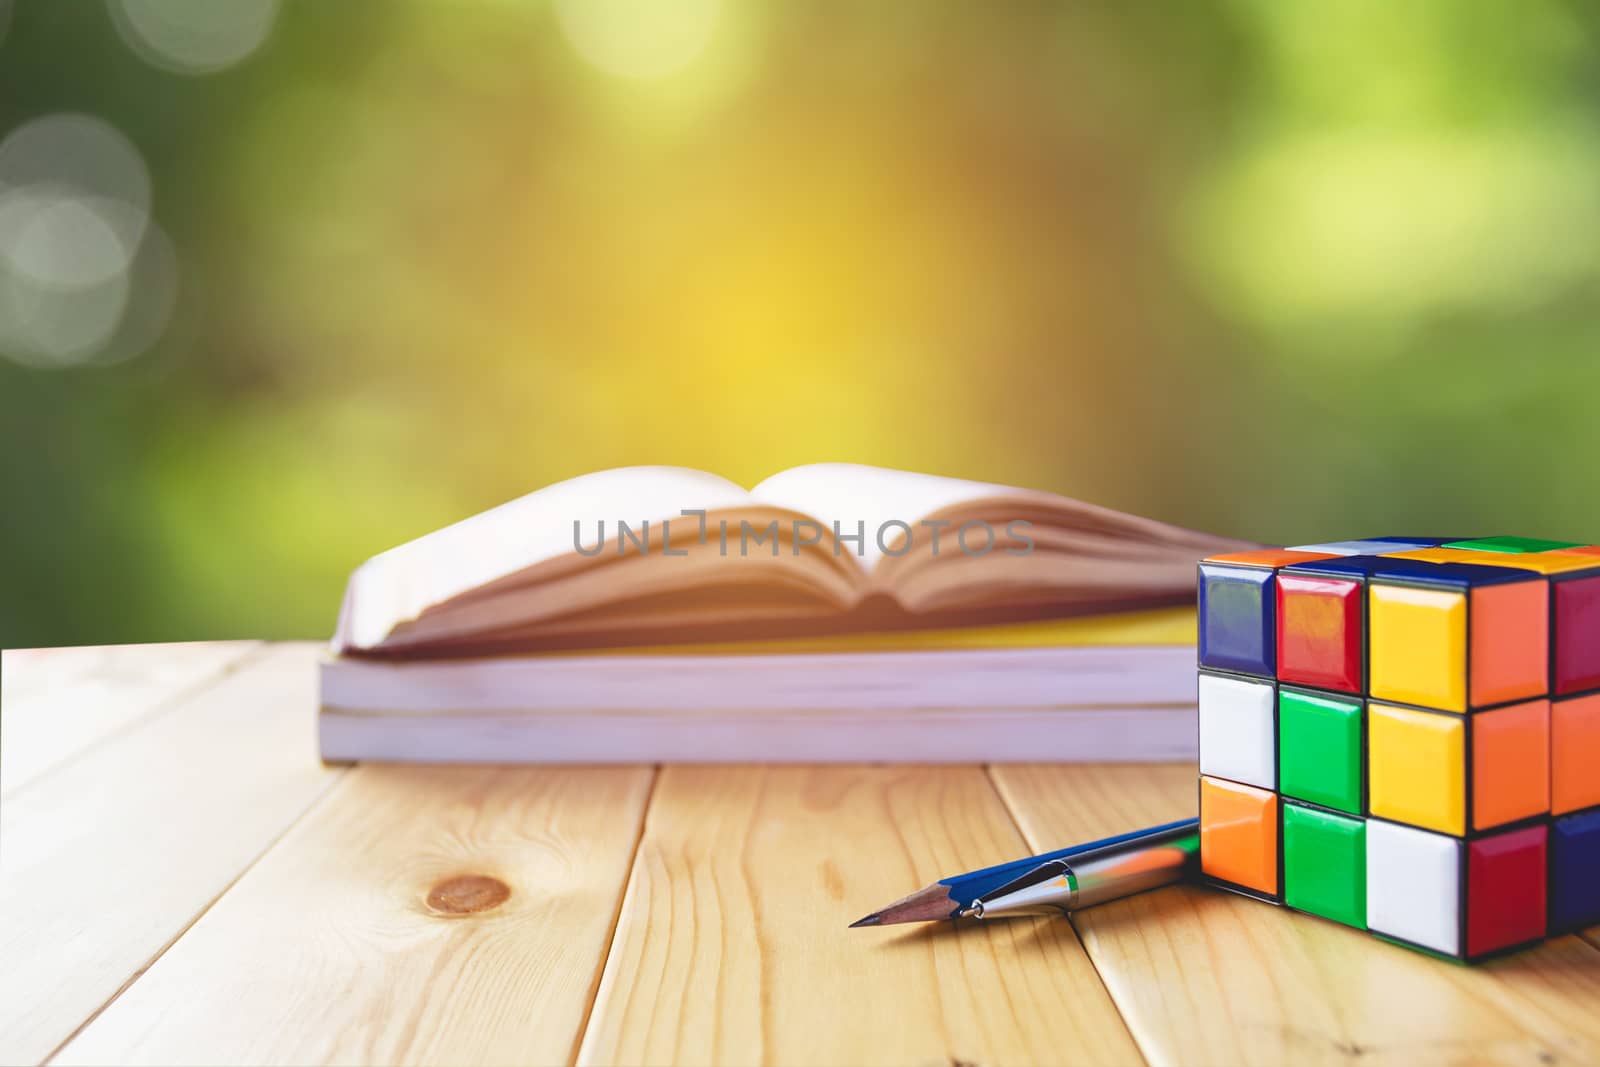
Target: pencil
x=1146 y=861
x=949 y=897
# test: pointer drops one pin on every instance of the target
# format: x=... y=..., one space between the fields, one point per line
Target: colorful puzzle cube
x=1402 y=734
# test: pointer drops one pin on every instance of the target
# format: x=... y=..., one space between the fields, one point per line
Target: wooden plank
x=732 y=947
x=419 y=915
x=110 y=856
x=56 y=702
x=1208 y=977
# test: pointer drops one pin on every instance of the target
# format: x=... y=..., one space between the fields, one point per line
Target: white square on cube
x=1358 y=548
x=1413 y=885
x=1237 y=735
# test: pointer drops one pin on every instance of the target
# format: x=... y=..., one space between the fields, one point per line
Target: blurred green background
x=282 y=285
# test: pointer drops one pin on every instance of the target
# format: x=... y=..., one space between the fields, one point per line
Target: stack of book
x=833 y=612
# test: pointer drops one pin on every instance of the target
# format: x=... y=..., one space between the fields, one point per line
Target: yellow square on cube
x=1417 y=646
x=1417 y=767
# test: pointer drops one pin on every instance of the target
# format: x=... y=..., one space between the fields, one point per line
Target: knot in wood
x=467 y=894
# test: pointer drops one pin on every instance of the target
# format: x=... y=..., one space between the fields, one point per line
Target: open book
x=665 y=555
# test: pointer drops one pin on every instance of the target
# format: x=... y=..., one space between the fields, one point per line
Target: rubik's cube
x=1403 y=734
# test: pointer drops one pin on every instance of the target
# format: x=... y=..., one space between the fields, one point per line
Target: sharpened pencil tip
x=925 y=905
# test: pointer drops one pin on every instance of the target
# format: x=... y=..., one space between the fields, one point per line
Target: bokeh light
x=81 y=152
x=194 y=36
x=63 y=282
x=643 y=39
x=64 y=240
x=74 y=228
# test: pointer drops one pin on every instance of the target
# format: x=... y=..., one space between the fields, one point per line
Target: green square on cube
x=1513 y=545
x=1319 y=749
x=1325 y=864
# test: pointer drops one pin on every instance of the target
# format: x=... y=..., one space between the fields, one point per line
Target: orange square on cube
x=1239 y=835
x=1510 y=764
x=1510 y=642
x=1574 y=753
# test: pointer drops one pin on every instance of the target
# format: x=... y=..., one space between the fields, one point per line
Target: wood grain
x=462 y=914
x=421 y=915
x=57 y=702
x=107 y=858
x=732 y=947
x=1208 y=977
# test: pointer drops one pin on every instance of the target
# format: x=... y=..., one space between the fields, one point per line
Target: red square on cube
x=1575 y=635
x=1506 y=890
x=1319 y=631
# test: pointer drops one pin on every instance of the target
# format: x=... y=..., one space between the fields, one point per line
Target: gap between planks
x=732 y=945
x=1036 y=848
x=87 y=697
x=423 y=915
x=616 y=918
x=333 y=789
x=109 y=856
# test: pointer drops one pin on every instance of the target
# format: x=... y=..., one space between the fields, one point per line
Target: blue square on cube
x=1575 y=871
x=1238 y=619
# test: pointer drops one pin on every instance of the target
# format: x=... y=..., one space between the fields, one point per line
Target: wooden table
x=181 y=881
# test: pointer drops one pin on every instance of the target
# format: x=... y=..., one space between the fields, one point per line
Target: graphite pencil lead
x=925 y=905
x=869 y=920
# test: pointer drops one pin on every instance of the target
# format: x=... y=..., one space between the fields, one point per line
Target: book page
x=853 y=494
x=398 y=584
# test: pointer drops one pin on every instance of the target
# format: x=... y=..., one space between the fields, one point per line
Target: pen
x=1154 y=858
x=949 y=897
